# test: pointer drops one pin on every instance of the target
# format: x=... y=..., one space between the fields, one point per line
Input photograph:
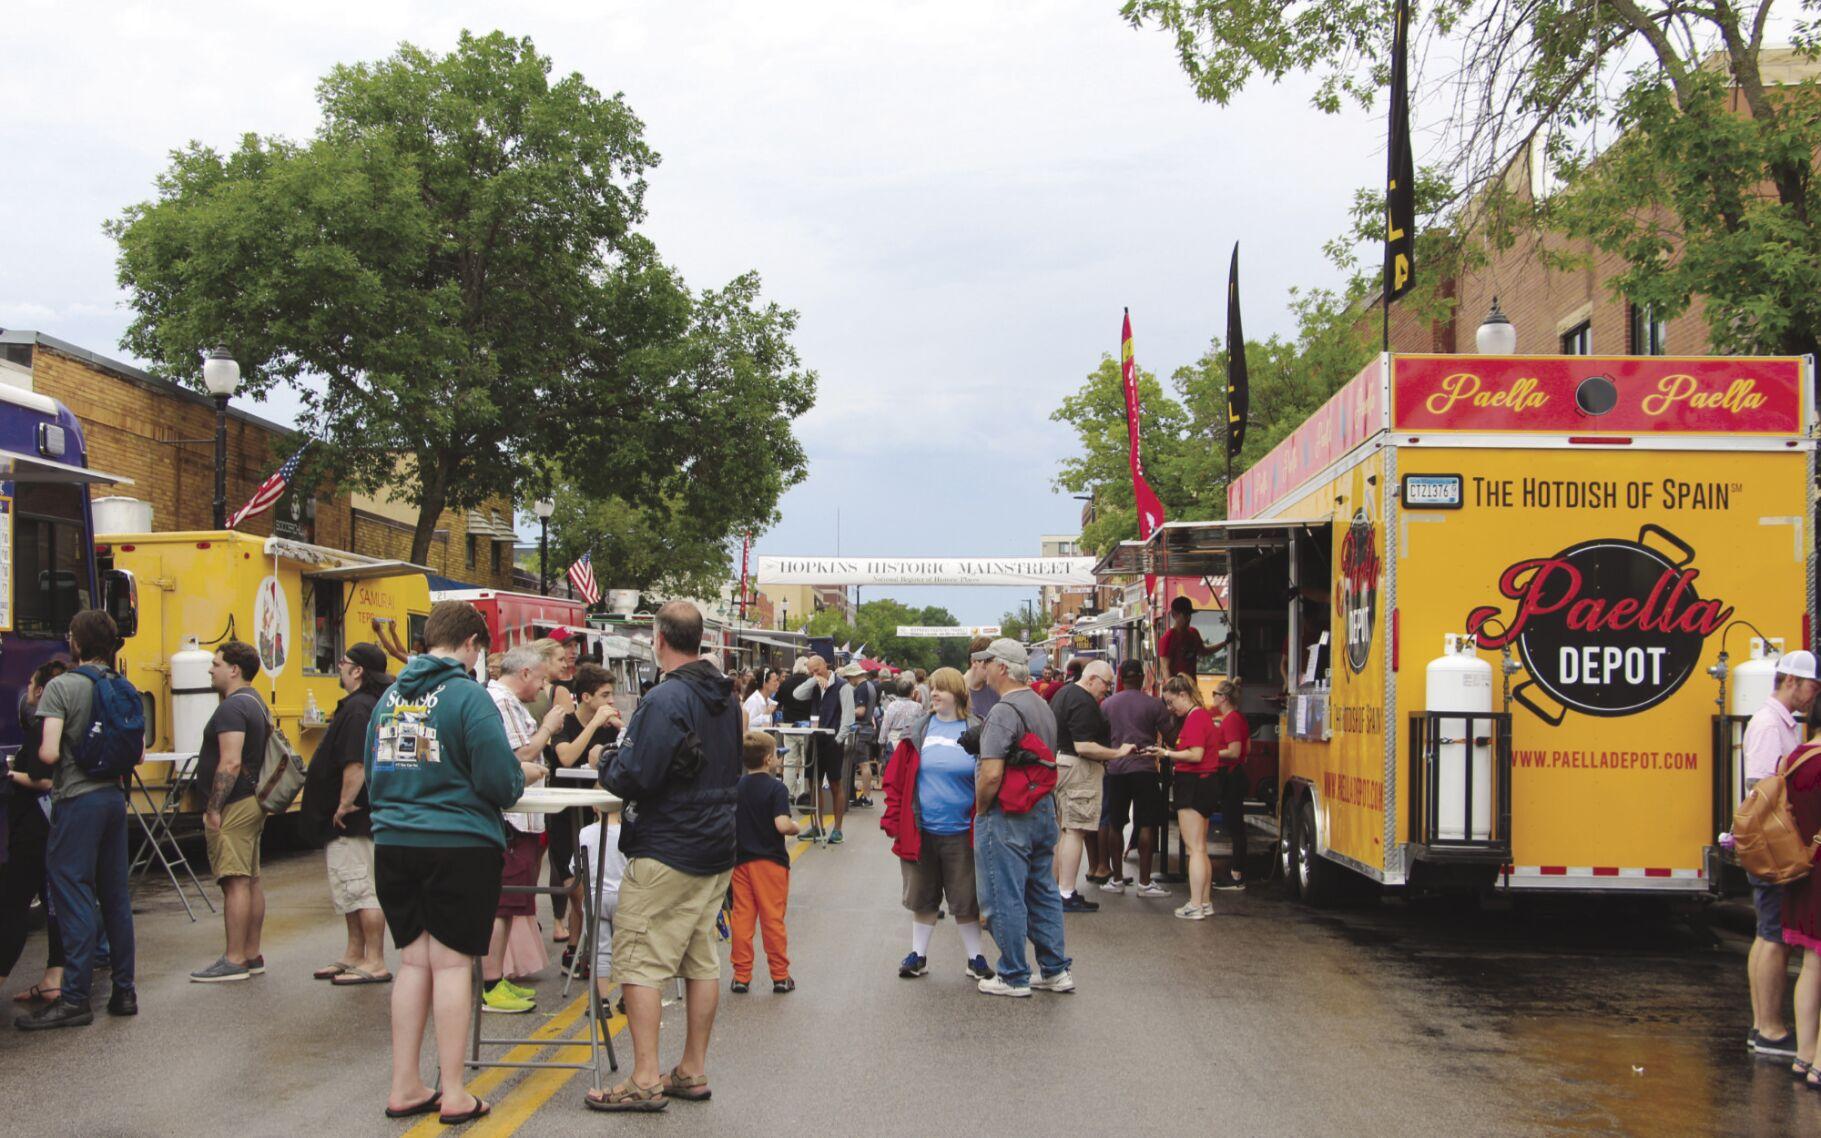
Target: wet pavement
x=1419 y=1018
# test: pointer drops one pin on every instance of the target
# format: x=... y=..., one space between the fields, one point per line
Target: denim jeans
x=1014 y=855
x=87 y=856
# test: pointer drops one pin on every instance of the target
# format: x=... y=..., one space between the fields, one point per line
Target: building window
x=473 y=550
x=1578 y=340
x=1649 y=336
x=497 y=546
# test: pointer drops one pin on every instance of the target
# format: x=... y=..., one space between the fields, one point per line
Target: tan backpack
x=1765 y=838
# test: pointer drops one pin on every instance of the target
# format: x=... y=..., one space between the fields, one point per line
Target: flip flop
x=38 y=993
x=360 y=976
x=328 y=971
x=427 y=1106
x=481 y=1110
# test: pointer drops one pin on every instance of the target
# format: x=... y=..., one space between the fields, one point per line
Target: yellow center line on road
x=517 y=1105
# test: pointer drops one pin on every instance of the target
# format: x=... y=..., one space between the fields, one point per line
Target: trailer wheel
x=1286 y=849
x=1316 y=878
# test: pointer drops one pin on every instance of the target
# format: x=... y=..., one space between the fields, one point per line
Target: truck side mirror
x=121 y=593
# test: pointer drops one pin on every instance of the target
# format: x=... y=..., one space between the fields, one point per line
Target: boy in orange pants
x=761 y=875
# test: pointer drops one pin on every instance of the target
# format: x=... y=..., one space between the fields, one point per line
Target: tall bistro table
x=812 y=766
x=555 y=800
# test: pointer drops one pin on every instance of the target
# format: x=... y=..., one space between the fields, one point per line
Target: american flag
x=581 y=575
x=270 y=490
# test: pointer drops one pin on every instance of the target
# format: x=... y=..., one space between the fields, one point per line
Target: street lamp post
x=221 y=375
x=543 y=508
x=783 y=613
x=1496 y=336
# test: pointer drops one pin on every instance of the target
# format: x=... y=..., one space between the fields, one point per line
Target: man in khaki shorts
x=227 y=770
x=1082 y=753
x=677 y=770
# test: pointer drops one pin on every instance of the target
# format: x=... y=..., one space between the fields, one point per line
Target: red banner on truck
x=1598 y=395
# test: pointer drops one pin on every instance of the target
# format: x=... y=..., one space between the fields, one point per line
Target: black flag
x=1400 y=176
x=1236 y=364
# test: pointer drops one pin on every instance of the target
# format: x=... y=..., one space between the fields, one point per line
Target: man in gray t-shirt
x=1014 y=854
x=71 y=698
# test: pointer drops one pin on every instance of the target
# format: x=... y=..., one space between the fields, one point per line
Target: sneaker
x=1097 y=878
x=220 y=972
x=498 y=999
x=1784 y=1048
x=1193 y=912
x=522 y=993
x=834 y=837
x=1076 y=903
x=979 y=969
x=1152 y=889
x=1113 y=886
x=256 y=965
x=1060 y=982
x=58 y=1014
x=913 y=966
x=780 y=987
x=741 y=987
x=1230 y=885
x=997 y=986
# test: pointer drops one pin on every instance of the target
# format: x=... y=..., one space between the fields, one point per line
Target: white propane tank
x=193 y=699
x=1755 y=677
x=1458 y=680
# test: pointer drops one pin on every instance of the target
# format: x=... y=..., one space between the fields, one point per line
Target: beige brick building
x=162 y=436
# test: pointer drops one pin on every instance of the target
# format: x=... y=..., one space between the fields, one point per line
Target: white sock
x=970 y=939
x=1067 y=893
x=920 y=934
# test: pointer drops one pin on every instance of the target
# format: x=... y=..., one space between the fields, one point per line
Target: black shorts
x=1136 y=796
x=834 y=763
x=1197 y=792
x=448 y=892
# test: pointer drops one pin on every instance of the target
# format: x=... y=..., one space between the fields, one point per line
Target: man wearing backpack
x=86 y=856
x=227 y=771
x=1770 y=736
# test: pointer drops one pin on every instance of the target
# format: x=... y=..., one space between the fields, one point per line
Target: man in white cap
x=1015 y=854
x=1770 y=736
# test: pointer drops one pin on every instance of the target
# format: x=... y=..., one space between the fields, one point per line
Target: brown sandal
x=629 y=1096
x=689 y=1088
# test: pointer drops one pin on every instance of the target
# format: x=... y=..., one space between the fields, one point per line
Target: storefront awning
x=1106 y=622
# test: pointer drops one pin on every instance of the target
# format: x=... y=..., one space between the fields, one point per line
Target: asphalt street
x=1397 y=1019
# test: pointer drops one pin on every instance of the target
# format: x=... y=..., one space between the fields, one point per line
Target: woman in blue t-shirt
x=929 y=813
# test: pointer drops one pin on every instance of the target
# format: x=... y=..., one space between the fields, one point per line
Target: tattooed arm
x=230 y=744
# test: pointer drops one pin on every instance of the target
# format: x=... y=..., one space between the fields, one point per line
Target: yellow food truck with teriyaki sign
x=1505 y=616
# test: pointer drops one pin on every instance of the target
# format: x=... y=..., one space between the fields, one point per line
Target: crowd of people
x=996 y=785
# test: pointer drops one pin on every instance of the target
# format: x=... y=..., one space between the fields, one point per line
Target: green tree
x=651 y=548
x=449 y=275
x=1705 y=191
x=875 y=625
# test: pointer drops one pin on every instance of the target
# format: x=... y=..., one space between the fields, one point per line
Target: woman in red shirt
x=1193 y=787
x=1233 y=735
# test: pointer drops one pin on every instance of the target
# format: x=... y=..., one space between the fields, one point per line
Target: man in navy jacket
x=677 y=768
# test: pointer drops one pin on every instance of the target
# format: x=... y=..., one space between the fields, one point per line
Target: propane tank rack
x=1463 y=732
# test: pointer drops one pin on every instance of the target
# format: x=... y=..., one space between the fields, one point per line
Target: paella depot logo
x=1608 y=627
x=1358 y=593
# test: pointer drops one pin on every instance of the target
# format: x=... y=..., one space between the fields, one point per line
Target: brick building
x=162 y=435
x=1575 y=312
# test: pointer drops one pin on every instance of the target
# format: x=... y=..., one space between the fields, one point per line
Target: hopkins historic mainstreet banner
x=1019 y=571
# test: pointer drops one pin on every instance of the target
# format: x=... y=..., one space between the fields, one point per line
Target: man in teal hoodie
x=439 y=771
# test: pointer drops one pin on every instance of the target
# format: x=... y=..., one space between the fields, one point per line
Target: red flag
x=1150 y=510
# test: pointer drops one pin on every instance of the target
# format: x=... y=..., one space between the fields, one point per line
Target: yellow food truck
x=1500 y=614
x=298 y=604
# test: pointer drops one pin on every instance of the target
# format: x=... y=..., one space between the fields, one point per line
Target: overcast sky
x=957 y=197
